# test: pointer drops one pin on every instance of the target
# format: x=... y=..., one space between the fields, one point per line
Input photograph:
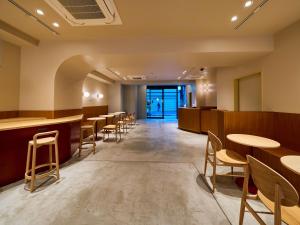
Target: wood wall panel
x=93 y=111
x=209 y=121
x=66 y=112
x=8 y=114
x=36 y=113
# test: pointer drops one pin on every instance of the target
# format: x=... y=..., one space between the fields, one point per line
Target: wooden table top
x=37 y=122
x=292 y=162
x=107 y=116
x=253 y=141
x=96 y=118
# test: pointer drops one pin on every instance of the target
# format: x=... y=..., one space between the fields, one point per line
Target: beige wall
x=115 y=97
x=95 y=88
x=280 y=75
x=9 y=76
x=249 y=92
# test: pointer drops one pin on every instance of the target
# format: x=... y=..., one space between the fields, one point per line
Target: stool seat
x=110 y=127
x=43 y=141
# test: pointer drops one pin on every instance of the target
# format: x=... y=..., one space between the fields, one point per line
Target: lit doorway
x=163 y=101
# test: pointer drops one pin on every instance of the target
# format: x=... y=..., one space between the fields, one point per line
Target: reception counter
x=14 y=137
x=190 y=119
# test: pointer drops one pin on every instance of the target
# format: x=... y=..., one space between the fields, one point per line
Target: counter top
x=17 y=123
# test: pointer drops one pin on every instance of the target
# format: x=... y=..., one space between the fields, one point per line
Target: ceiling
x=162 y=19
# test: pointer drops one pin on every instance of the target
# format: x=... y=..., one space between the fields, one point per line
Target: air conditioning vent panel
x=87 y=12
x=136 y=77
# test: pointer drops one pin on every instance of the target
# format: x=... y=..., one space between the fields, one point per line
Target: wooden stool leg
x=28 y=161
x=33 y=169
x=94 y=143
x=50 y=157
x=56 y=160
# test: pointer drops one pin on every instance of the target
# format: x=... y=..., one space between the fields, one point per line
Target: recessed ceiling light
x=178 y=78
x=55 y=24
x=40 y=12
x=184 y=72
x=234 y=18
x=248 y=3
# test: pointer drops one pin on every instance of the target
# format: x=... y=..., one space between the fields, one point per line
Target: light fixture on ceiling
x=178 y=78
x=40 y=12
x=184 y=72
x=248 y=3
x=55 y=24
x=234 y=18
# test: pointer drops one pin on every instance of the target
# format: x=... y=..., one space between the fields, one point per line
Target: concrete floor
x=151 y=177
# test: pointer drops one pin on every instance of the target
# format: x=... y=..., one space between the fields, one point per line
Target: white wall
x=95 y=88
x=9 y=76
x=130 y=98
x=115 y=97
x=142 y=113
x=280 y=75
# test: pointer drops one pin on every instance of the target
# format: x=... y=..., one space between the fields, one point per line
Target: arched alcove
x=69 y=80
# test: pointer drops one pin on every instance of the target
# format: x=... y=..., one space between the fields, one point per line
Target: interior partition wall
x=163 y=101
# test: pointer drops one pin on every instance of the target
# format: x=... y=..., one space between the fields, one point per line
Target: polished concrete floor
x=151 y=177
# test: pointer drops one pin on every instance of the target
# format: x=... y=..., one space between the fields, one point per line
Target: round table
x=292 y=162
x=107 y=116
x=96 y=125
x=251 y=141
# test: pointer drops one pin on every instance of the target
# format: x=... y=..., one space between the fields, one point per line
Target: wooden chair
x=123 y=123
x=277 y=193
x=87 y=128
x=113 y=128
x=41 y=139
x=221 y=157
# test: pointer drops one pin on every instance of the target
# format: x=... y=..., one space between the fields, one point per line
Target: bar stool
x=87 y=128
x=39 y=140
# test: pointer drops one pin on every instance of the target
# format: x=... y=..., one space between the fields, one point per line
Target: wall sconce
x=86 y=94
x=205 y=88
x=100 y=96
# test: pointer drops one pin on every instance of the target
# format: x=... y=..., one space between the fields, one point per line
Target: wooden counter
x=189 y=119
x=14 y=137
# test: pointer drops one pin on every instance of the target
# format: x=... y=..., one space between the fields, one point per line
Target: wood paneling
x=189 y=119
x=8 y=114
x=209 y=121
x=66 y=112
x=36 y=113
x=93 y=111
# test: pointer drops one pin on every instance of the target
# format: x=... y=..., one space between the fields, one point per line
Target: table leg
x=240 y=180
x=96 y=130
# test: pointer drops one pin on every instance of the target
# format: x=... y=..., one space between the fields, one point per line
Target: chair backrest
x=215 y=142
x=265 y=179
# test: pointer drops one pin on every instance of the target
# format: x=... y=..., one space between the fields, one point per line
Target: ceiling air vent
x=136 y=77
x=87 y=12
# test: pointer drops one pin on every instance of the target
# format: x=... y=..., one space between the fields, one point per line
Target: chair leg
x=277 y=206
x=80 y=144
x=56 y=160
x=244 y=195
x=28 y=160
x=50 y=157
x=242 y=211
x=33 y=169
x=94 y=143
x=232 y=170
x=205 y=163
x=214 y=176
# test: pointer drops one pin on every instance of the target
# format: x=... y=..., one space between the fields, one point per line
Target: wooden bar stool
x=87 y=128
x=39 y=140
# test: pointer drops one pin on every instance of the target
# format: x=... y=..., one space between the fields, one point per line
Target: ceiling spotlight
x=178 y=78
x=40 y=12
x=184 y=72
x=55 y=24
x=248 y=3
x=234 y=18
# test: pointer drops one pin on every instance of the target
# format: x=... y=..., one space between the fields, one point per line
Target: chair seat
x=109 y=127
x=230 y=157
x=87 y=127
x=43 y=141
x=289 y=215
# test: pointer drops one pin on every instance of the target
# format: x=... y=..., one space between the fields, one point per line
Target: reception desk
x=14 y=137
x=190 y=119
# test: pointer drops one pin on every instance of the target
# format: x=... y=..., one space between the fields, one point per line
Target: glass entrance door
x=155 y=103
x=162 y=102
